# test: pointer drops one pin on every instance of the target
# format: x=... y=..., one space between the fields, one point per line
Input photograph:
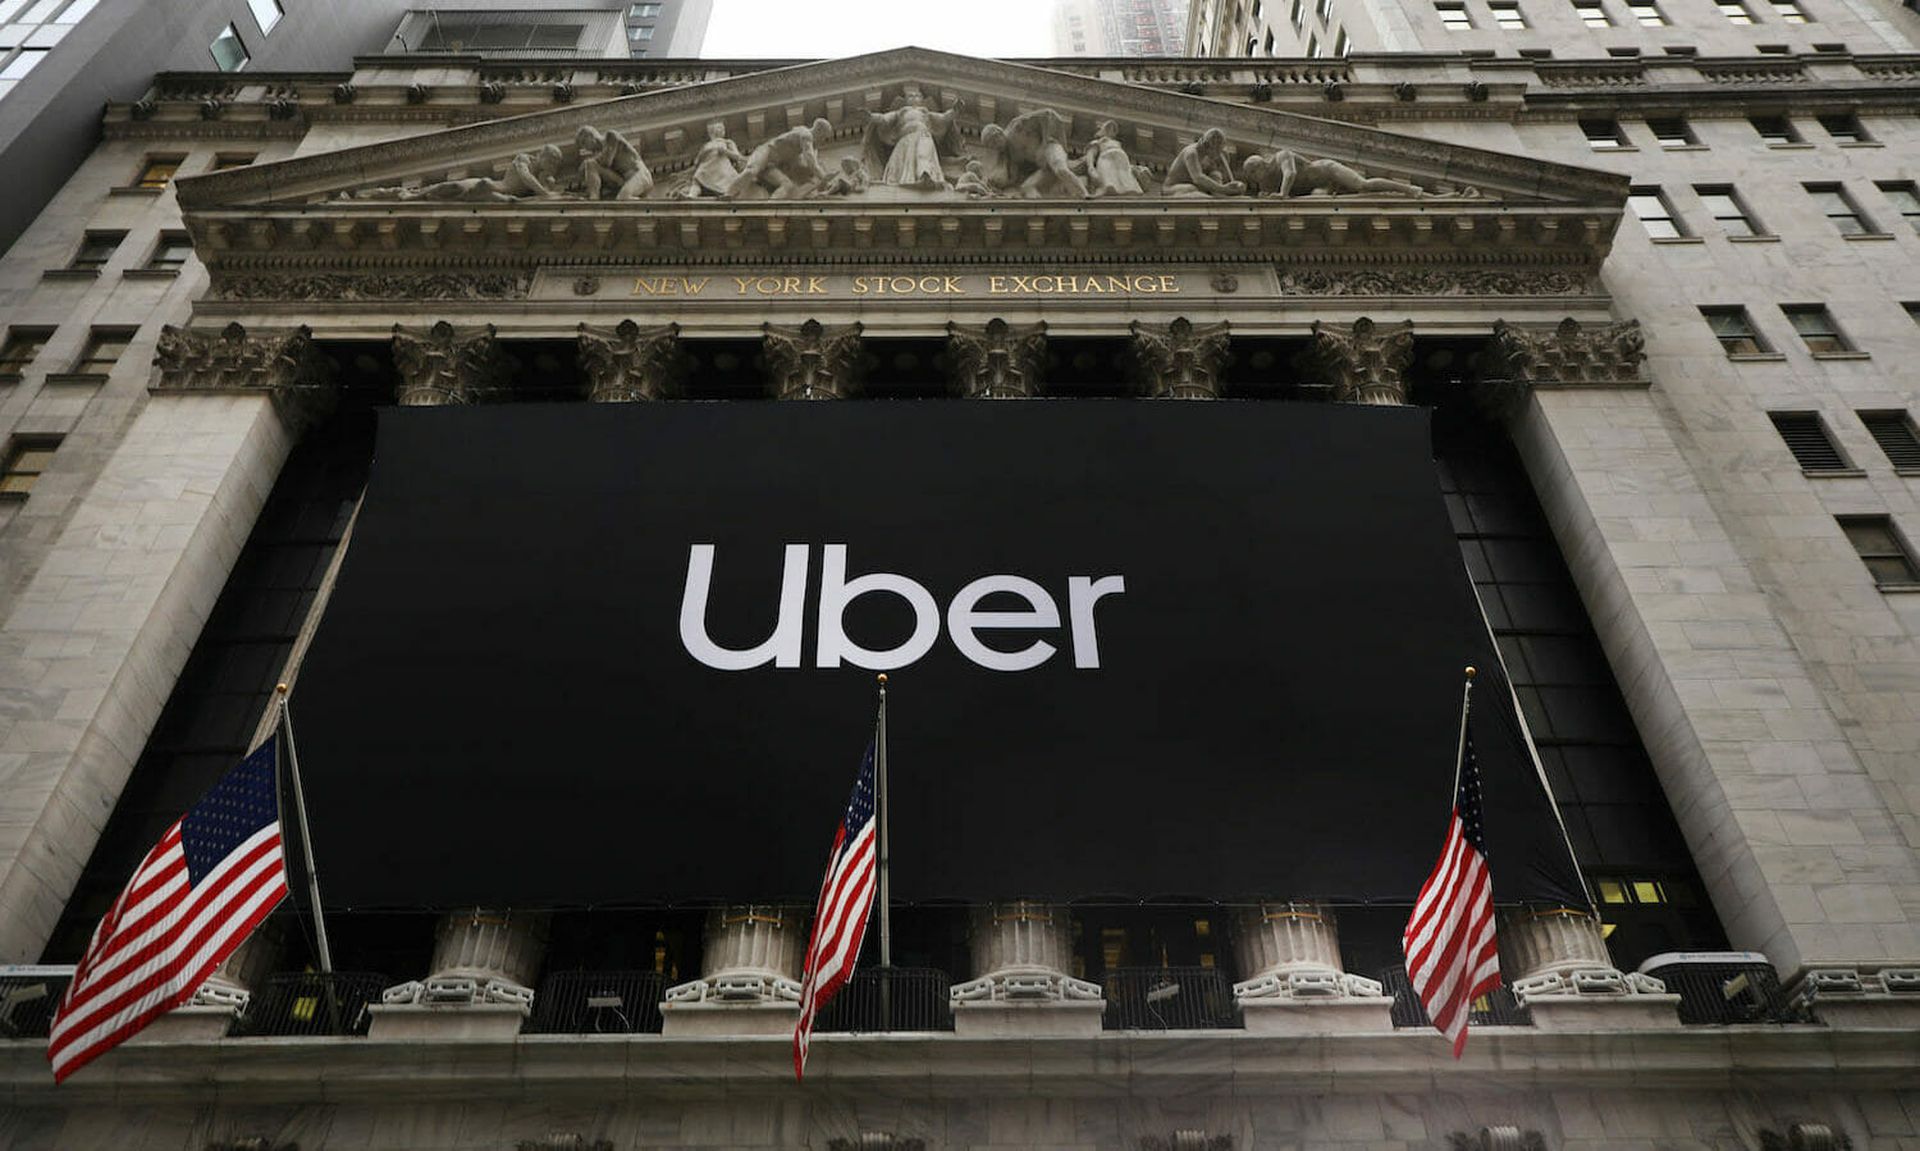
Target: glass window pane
x=266 y=13
x=76 y=11
x=229 y=53
x=23 y=63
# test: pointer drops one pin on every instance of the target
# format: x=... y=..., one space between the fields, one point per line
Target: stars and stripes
x=1452 y=955
x=196 y=897
x=840 y=920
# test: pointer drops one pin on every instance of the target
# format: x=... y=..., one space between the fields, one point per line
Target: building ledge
x=151 y=274
x=1766 y=239
x=1841 y=355
x=135 y=190
x=70 y=274
x=1869 y=236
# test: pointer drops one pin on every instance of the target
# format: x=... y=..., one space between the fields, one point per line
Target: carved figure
x=905 y=145
x=715 y=166
x=527 y=175
x=787 y=167
x=849 y=180
x=1288 y=173
x=1109 y=170
x=973 y=181
x=1201 y=168
x=610 y=158
x=1032 y=155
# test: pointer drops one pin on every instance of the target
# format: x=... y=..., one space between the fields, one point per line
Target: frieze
x=343 y=287
x=1437 y=282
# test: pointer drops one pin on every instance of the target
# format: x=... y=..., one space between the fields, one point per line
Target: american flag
x=196 y=897
x=1452 y=956
x=840 y=921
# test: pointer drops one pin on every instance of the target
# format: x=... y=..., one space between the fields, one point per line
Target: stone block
x=187 y=1025
x=1604 y=1012
x=412 y=1022
x=1049 y=1019
x=1316 y=1017
x=721 y=1019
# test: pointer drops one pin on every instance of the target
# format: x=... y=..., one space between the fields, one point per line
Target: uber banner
x=590 y=654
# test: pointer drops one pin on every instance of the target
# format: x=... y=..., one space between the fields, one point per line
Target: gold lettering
x=902 y=285
x=996 y=285
x=791 y=286
x=1116 y=284
x=1021 y=284
x=816 y=286
x=743 y=282
x=953 y=287
x=1052 y=283
x=1093 y=285
x=693 y=287
x=1146 y=285
x=1168 y=284
x=860 y=285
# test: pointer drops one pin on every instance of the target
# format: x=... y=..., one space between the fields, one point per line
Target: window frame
x=1791 y=12
x=1614 y=139
x=1900 y=422
x=1671 y=139
x=1853 y=211
x=1828 y=332
x=1898 y=549
x=89 y=362
x=1749 y=332
x=1786 y=136
x=145 y=178
x=1462 y=20
x=1641 y=193
x=1587 y=10
x=1904 y=195
x=18 y=446
x=229 y=33
x=107 y=241
x=1736 y=12
x=267 y=26
x=1648 y=14
x=1507 y=16
x=167 y=239
x=1739 y=210
x=1840 y=465
x=13 y=365
x=1851 y=132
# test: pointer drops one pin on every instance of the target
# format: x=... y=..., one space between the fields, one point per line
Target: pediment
x=997 y=154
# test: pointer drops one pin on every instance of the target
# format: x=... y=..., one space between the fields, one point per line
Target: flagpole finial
x=882 y=678
x=1471 y=671
x=280 y=689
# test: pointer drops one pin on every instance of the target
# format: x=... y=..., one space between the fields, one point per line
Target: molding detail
x=1497 y=1139
x=1178 y=360
x=811 y=361
x=1570 y=354
x=340 y=287
x=1365 y=363
x=1560 y=951
x=447 y=365
x=996 y=360
x=1189 y=1139
x=877 y=1141
x=629 y=362
x=1415 y=281
x=285 y=363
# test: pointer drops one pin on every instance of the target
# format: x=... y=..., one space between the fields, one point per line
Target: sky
x=747 y=29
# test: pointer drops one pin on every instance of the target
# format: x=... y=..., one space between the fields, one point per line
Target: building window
x=1325 y=11
x=1454 y=16
x=229 y=51
x=1507 y=15
x=1340 y=43
x=1727 y=210
x=1671 y=131
x=1735 y=331
x=642 y=11
x=1838 y=207
x=22 y=345
x=102 y=351
x=1879 y=547
x=640 y=33
x=171 y=253
x=1647 y=13
x=1844 y=127
x=1790 y=12
x=1299 y=15
x=27 y=459
x=1313 y=47
x=1913 y=310
x=157 y=172
x=1735 y=11
x=266 y=13
x=1592 y=13
x=96 y=248
x=224 y=160
x=22 y=63
x=1775 y=130
x=1656 y=215
x=1816 y=328
x=75 y=12
x=1603 y=135
x=1893 y=431
x=1806 y=437
x=1904 y=197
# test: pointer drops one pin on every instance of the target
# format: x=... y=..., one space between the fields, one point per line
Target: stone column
x=1521 y=357
x=749 y=974
x=1295 y=980
x=1555 y=960
x=1365 y=363
x=1178 y=360
x=628 y=362
x=812 y=361
x=1022 y=952
x=447 y=365
x=481 y=986
x=996 y=360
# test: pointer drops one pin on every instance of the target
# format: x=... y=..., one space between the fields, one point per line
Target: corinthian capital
x=996 y=360
x=1522 y=357
x=811 y=361
x=283 y=362
x=1178 y=360
x=447 y=365
x=1365 y=363
x=629 y=362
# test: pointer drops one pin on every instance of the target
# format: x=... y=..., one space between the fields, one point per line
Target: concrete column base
x=1051 y=1019
x=409 y=1021
x=723 y=1019
x=188 y=1025
x=1604 y=1012
x=1316 y=1017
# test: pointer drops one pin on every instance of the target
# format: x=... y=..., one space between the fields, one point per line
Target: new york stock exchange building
x=1189 y=426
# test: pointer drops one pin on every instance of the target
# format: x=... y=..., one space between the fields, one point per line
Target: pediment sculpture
x=906 y=146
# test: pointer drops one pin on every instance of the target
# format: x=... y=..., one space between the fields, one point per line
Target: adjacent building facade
x=1657 y=291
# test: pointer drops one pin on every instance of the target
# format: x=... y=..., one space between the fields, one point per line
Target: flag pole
x=1460 y=747
x=880 y=780
x=306 y=840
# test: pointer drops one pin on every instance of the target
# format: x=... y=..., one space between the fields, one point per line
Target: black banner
x=590 y=654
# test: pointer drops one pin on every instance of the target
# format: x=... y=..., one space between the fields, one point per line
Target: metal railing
x=598 y=1003
x=309 y=1003
x=28 y=996
x=1496 y=1010
x=1728 y=987
x=1168 y=999
x=890 y=999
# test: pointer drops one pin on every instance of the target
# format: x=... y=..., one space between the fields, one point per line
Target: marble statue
x=715 y=166
x=1288 y=173
x=972 y=183
x=905 y=146
x=1109 y=170
x=527 y=175
x=786 y=167
x=1201 y=169
x=1031 y=155
x=607 y=157
x=850 y=180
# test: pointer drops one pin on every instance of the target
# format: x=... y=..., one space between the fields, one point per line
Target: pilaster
x=750 y=975
x=1296 y=981
x=484 y=965
x=812 y=361
x=627 y=362
x=1021 y=954
x=1364 y=362
x=447 y=365
x=1556 y=962
x=1521 y=357
x=1178 y=360
x=997 y=360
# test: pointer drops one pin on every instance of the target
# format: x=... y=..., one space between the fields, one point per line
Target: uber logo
x=964 y=617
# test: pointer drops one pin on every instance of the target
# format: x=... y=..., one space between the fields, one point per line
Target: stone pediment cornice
x=667 y=125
